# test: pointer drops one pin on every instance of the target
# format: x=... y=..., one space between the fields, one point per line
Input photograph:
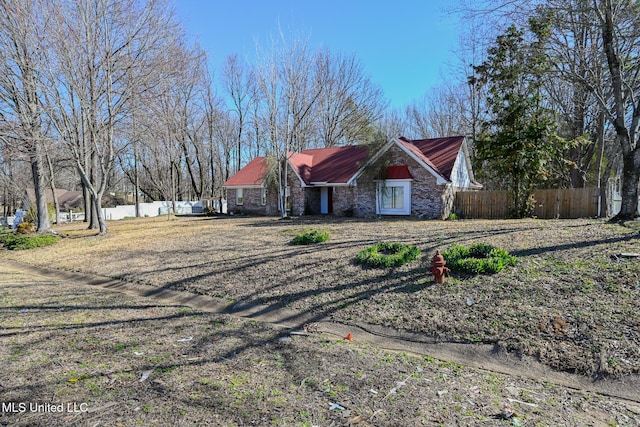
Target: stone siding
x=343 y=201
x=312 y=200
x=251 y=202
x=364 y=201
x=296 y=194
x=426 y=194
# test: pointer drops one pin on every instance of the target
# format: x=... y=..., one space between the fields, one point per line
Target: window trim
x=406 y=208
x=239 y=196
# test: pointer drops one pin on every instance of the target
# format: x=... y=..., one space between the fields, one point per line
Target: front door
x=326 y=200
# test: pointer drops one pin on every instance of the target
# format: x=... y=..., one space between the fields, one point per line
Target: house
x=66 y=199
x=403 y=177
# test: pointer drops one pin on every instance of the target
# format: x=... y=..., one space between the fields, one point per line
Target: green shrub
x=311 y=236
x=479 y=258
x=13 y=241
x=387 y=254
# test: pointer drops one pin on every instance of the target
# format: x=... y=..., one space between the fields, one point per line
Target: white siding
x=460 y=173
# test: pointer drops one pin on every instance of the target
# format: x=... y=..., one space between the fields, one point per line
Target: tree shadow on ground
x=584 y=244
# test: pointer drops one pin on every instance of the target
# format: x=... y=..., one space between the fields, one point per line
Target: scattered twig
x=522 y=403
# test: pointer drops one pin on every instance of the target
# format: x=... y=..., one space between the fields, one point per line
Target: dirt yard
x=570 y=303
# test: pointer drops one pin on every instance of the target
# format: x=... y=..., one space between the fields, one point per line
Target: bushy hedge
x=479 y=258
x=310 y=236
x=387 y=254
x=16 y=242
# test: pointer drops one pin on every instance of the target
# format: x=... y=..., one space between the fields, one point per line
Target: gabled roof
x=66 y=199
x=252 y=175
x=334 y=165
x=439 y=153
x=342 y=165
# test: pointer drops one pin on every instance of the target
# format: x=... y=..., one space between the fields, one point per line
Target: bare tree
x=349 y=102
x=393 y=124
x=288 y=91
x=103 y=50
x=191 y=90
x=593 y=81
x=440 y=112
x=237 y=86
x=620 y=23
x=22 y=27
x=217 y=143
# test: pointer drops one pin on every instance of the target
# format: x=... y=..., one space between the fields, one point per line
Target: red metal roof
x=398 y=172
x=252 y=174
x=337 y=165
x=439 y=153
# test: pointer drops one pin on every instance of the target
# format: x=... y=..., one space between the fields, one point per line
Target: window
x=239 y=196
x=394 y=197
x=263 y=196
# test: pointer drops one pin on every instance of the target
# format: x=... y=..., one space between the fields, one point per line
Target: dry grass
x=570 y=303
x=117 y=360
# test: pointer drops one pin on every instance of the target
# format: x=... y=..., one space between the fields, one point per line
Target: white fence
x=616 y=204
x=129 y=211
x=152 y=209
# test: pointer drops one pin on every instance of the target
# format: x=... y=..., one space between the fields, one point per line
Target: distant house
x=403 y=177
x=68 y=200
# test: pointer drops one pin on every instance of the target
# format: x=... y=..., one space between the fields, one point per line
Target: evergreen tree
x=517 y=143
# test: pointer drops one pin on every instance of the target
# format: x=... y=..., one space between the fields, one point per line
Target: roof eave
x=244 y=186
x=329 y=184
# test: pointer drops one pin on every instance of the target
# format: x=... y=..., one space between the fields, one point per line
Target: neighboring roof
x=66 y=199
x=252 y=175
x=439 y=153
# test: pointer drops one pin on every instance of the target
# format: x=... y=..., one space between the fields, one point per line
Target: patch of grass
x=387 y=254
x=479 y=258
x=16 y=242
x=310 y=237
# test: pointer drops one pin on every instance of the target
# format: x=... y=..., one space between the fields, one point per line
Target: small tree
x=518 y=141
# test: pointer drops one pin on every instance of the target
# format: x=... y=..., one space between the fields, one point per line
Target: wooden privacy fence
x=562 y=203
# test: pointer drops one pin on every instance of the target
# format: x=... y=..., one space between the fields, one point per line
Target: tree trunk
x=97 y=204
x=94 y=220
x=136 y=181
x=629 y=191
x=86 y=198
x=40 y=185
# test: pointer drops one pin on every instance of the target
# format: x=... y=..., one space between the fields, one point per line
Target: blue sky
x=404 y=46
